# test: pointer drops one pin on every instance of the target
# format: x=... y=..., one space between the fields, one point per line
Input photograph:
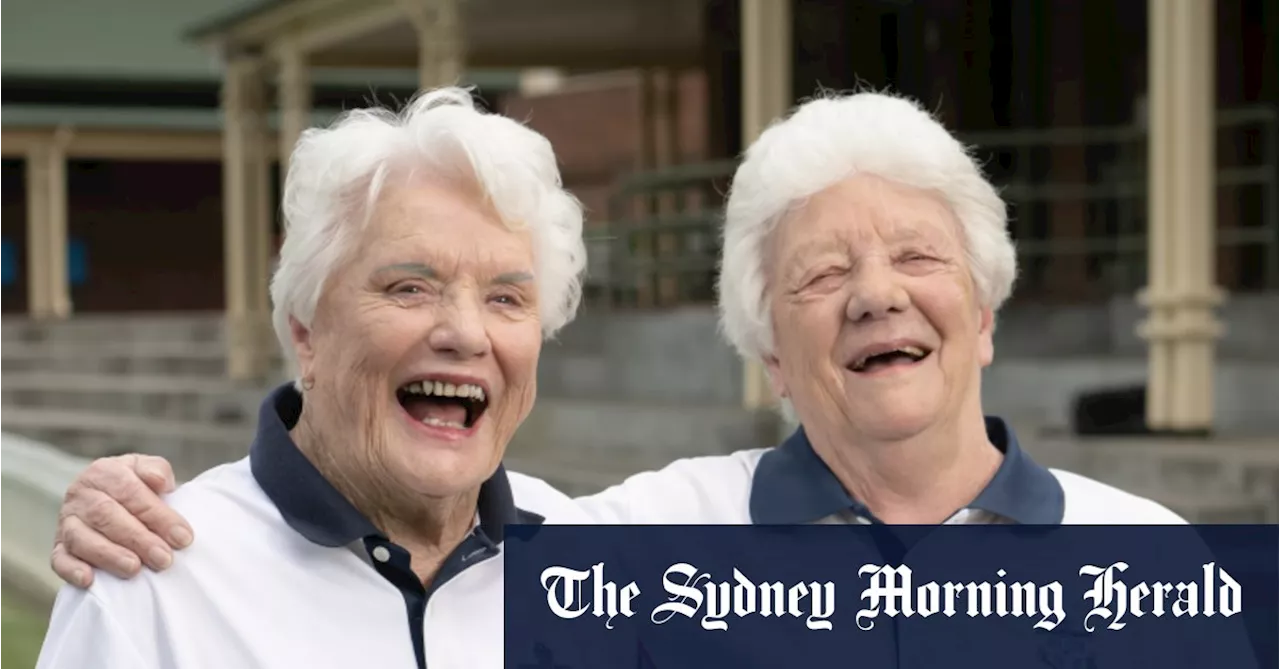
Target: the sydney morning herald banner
x=1063 y=597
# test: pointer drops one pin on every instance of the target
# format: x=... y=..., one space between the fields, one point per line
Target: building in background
x=157 y=145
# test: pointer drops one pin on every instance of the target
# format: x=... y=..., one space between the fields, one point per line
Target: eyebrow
x=513 y=278
x=424 y=271
x=427 y=272
x=800 y=257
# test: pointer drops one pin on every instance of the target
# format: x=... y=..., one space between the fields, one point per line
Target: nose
x=459 y=332
x=876 y=292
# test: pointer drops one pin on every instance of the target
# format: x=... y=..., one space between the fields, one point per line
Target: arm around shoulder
x=712 y=490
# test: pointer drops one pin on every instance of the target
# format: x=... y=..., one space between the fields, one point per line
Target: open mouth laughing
x=444 y=403
x=887 y=356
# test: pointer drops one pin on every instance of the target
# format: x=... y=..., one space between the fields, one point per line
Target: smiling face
x=424 y=346
x=878 y=333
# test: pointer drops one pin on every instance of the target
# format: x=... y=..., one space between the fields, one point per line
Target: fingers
x=102 y=519
x=69 y=569
x=155 y=472
x=155 y=514
x=132 y=482
x=82 y=542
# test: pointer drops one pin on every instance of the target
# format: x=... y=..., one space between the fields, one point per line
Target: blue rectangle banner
x=955 y=596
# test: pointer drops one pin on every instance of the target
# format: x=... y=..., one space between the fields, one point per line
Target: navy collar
x=315 y=509
x=792 y=485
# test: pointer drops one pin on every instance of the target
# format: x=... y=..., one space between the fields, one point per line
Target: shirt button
x=381 y=554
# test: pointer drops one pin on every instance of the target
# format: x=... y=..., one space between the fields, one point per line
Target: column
x=38 y=300
x=48 y=283
x=766 y=95
x=1181 y=327
x=295 y=101
x=441 y=51
x=246 y=217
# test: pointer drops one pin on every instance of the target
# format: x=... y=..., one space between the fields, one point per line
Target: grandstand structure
x=1135 y=143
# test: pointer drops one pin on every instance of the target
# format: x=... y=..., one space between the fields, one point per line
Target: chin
x=897 y=418
x=445 y=472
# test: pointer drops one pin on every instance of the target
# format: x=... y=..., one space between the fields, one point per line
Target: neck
x=921 y=480
x=440 y=527
x=429 y=528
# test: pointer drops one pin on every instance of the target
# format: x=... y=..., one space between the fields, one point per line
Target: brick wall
x=594 y=123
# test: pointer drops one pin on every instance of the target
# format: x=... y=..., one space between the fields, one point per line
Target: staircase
x=619 y=393
x=99 y=386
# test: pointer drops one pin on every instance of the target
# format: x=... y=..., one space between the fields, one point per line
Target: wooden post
x=441 y=52
x=246 y=216
x=1181 y=328
x=766 y=95
x=48 y=283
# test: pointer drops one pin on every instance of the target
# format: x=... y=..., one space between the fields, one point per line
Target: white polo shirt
x=287 y=573
x=790 y=485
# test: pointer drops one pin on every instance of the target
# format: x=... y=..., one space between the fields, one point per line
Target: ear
x=302 y=346
x=986 y=332
x=776 y=381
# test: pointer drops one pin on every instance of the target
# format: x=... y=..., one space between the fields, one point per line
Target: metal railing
x=1077 y=205
x=36 y=476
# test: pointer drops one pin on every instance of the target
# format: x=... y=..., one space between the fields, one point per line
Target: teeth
x=913 y=351
x=442 y=423
x=438 y=389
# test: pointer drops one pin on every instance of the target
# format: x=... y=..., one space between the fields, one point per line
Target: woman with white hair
x=427 y=255
x=865 y=258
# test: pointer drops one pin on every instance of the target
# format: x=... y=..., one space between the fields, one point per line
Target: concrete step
x=171 y=358
x=91 y=328
x=1243 y=468
x=1203 y=508
x=1245 y=391
x=1216 y=480
x=207 y=400
x=191 y=447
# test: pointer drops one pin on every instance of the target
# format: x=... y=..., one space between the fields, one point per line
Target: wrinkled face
x=877 y=329
x=424 y=346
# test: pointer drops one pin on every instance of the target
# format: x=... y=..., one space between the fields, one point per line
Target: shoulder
x=233 y=521
x=713 y=489
x=224 y=500
x=1091 y=502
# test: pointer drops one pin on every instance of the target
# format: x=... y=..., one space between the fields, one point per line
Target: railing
x=36 y=476
x=1077 y=203
x=663 y=239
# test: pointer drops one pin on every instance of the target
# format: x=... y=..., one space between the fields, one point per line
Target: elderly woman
x=865 y=257
x=427 y=255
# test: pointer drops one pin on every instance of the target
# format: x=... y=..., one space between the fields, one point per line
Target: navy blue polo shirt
x=285 y=572
x=790 y=484
x=317 y=511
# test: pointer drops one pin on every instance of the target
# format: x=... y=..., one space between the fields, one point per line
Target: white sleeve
x=711 y=490
x=83 y=633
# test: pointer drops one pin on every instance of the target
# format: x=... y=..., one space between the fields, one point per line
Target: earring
x=308 y=382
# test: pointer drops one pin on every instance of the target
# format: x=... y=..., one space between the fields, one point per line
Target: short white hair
x=336 y=175
x=826 y=141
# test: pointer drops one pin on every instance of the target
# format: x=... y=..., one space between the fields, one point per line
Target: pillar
x=440 y=47
x=48 y=281
x=246 y=218
x=1181 y=327
x=295 y=101
x=766 y=95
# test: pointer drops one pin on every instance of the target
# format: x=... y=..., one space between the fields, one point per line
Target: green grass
x=22 y=632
